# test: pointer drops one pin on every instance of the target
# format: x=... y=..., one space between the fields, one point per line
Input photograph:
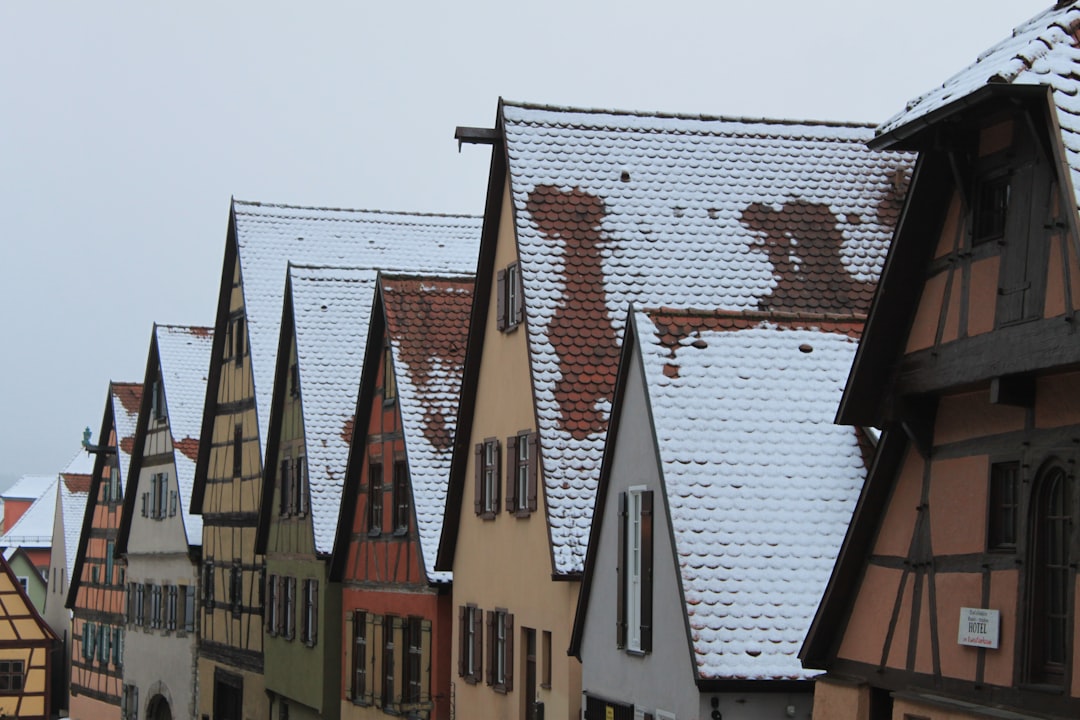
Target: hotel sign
x=979 y=627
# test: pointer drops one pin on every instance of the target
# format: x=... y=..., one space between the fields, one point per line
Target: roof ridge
x=744 y=119
x=414 y=275
x=777 y=315
x=178 y=326
x=408 y=213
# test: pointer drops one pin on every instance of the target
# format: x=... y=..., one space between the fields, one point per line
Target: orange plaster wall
x=924 y=648
x=1055 y=281
x=970 y=415
x=947 y=239
x=1057 y=400
x=840 y=700
x=952 y=316
x=924 y=329
x=897 y=657
x=894 y=536
x=954 y=591
x=1003 y=596
x=864 y=636
x=982 y=297
x=958 y=505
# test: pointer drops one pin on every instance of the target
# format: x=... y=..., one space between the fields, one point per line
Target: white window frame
x=491 y=476
x=633 y=570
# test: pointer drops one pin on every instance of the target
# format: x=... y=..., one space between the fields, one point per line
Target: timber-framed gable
x=956 y=587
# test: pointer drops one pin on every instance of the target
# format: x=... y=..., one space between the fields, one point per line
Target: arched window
x=1050 y=577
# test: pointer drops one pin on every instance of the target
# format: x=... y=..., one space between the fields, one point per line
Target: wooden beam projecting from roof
x=475 y=136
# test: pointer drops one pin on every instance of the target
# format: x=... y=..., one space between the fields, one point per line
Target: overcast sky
x=126 y=127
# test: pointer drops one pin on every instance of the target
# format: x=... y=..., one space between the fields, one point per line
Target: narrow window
x=290 y=608
x=500 y=650
x=171 y=609
x=109 y=549
x=236 y=589
x=375 y=498
x=990 y=208
x=294 y=380
x=510 y=306
x=389 y=380
x=238 y=339
x=487 y=478
x=157 y=400
x=401 y=497
x=311 y=612
x=208 y=586
x=189 y=608
x=238 y=454
x=411 y=681
x=1004 y=503
x=272 y=619
x=545 y=668
x=285 y=487
x=163 y=496
x=359 y=659
x=388 y=661
x=1049 y=582
x=300 y=491
x=634 y=604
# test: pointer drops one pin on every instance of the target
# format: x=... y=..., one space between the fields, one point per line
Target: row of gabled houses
x=577 y=457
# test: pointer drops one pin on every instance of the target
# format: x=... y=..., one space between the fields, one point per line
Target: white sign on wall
x=979 y=627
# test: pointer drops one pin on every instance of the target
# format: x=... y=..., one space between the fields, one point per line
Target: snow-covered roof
x=1042 y=51
x=184 y=354
x=331 y=310
x=427 y=320
x=34 y=528
x=74 y=493
x=269 y=236
x=28 y=487
x=760 y=483
x=126 y=400
x=689 y=212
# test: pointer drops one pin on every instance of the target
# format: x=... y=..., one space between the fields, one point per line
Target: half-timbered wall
x=98 y=614
x=26 y=644
x=230 y=650
x=385 y=586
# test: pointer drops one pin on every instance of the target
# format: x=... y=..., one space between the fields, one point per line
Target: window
x=286 y=487
x=283 y=710
x=1049 y=580
x=273 y=609
x=411 y=682
x=300 y=494
x=521 y=460
x=359 y=658
x=208 y=585
x=375 y=494
x=157 y=400
x=634 y=604
x=289 y=615
x=401 y=497
x=310 y=631
x=470 y=620
x=117 y=647
x=185 y=600
x=11 y=676
x=294 y=380
x=109 y=549
x=388 y=661
x=486 y=501
x=545 y=668
x=236 y=328
x=156 y=504
x=129 y=702
x=238 y=451
x=88 y=637
x=389 y=380
x=114 y=481
x=236 y=588
x=155 y=605
x=500 y=672
x=990 y=207
x=510 y=305
x=1004 y=503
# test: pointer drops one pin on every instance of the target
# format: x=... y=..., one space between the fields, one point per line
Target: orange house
x=397 y=617
x=26 y=643
x=955 y=594
x=96 y=594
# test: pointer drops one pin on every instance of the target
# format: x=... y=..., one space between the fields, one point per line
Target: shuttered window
x=510 y=307
x=635 y=570
x=521 y=470
x=470 y=649
x=359 y=657
x=486 y=501
x=310 y=634
x=375 y=498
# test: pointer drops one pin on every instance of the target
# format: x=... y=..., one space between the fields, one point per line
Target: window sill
x=636 y=653
x=487 y=515
x=545 y=686
x=374 y=532
x=522 y=513
x=401 y=532
x=501 y=689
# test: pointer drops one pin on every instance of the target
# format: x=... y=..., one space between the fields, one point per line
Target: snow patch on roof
x=28 y=487
x=34 y=528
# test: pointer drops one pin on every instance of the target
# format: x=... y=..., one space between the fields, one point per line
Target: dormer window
x=990 y=206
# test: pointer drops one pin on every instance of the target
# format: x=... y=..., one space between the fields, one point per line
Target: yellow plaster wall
x=506 y=562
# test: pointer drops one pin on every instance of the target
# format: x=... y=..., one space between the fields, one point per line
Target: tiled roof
x=427 y=324
x=126 y=400
x=184 y=353
x=74 y=490
x=28 y=487
x=760 y=483
x=34 y=528
x=690 y=212
x=332 y=310
x=271 y=235
x=1042 y=51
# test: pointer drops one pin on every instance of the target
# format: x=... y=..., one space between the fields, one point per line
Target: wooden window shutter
x=478 y=643
x=646 y=569
x=315 y=612
x=519 y=306
x=425 y=661
x=511 y=473
x=490 y=676
x=463 y=633
x=377 y=656
x=620 y=575
x=500 y=292
x=145 y=499
x=478 y=500
x=534 y=463
x=508 y=628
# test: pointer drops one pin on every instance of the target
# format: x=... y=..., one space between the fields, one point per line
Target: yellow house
x=26 y=643
x=588 y=211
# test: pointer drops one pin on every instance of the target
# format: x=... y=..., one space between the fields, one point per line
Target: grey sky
x=126 y=127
